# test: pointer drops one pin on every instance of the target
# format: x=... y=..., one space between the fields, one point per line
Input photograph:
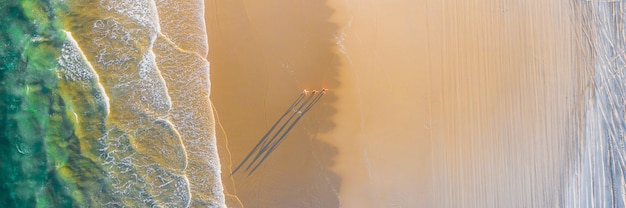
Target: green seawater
x=40 y=160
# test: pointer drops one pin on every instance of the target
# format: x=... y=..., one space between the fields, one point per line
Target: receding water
x=106 y=104
x=398 y=103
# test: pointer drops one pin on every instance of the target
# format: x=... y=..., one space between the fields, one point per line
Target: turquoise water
x=32 y=117
x=102 y=105
x=87 y=119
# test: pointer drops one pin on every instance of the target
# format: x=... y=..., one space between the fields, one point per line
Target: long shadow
x=299 y=109
x=263 y=139
x=273 y=146
x=261 y=54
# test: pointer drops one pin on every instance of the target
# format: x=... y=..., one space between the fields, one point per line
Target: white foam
x=76 y=67
x=73 y=65
x=182 y=22
x=143 y=12
x=150 y=78
x=126 y=36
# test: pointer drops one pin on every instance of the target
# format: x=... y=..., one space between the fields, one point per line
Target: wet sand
x=383 y=132
x=262 y=56
x=431 y=103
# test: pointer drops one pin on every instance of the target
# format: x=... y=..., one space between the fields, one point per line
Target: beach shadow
x=262 y=55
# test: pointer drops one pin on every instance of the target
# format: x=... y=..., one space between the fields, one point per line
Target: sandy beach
x=431 y=103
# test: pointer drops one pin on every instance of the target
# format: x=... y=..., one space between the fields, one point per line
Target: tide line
x=96 y=78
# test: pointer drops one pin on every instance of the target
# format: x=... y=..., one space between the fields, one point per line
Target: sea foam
x=156 y=145
x=75 y=67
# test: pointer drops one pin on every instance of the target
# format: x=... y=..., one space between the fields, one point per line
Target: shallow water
x=427 y=103
x=106 y=104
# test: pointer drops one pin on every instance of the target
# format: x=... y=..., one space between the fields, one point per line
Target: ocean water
x=106 y=104
x=429 y=103
x=31 y=113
